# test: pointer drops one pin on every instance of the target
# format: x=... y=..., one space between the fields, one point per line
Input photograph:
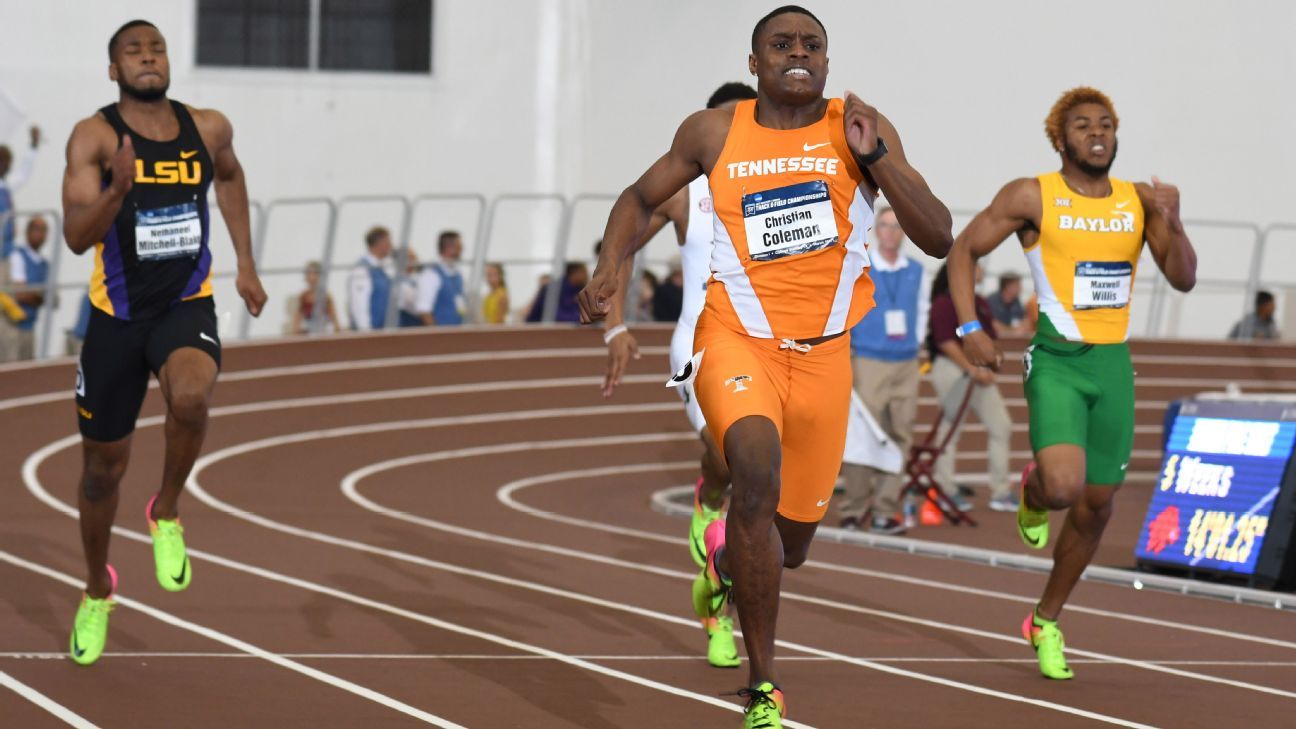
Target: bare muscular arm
x=696 y=145
x=624 y=347
x=1014 y=210
x=924 y=218
x=89 y=208
x=673 y=211
x=231 y=196
x=1165 y=235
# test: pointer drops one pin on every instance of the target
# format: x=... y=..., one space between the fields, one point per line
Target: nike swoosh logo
x=203 y=335
x=77 y=650
x=184 y=570
x=1118 y=207
x=821 y=502
x=812 y=147
x=187 y=155
x=1032 y=542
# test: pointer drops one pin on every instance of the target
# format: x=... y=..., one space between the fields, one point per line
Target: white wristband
x=612 y=333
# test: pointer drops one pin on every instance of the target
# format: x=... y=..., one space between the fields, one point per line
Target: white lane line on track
x=245 y=647
x=577 y=382
x=69 y=717
x=325 y=401
x=154 y=421
x=669 y=658
x=198 y=492
x=504 y=494
x=379 y=363
x=32 y=464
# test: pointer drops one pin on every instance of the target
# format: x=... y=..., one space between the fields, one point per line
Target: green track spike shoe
x=90 y=629
x=1045 y=637
x=169 y=557
x=722 y=652
x=710 y=590
x=765 y=707
x=702 y=518
x=1032 y=524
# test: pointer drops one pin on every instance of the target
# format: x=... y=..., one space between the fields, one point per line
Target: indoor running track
x=453 y=529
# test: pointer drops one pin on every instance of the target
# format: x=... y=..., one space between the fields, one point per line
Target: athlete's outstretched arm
x=633 y=209
x=623 y=346
x=1165 y=234
x=667 y=212
x=231 y=195
x=924 y=218
x=89 y=208
x=1013 y=210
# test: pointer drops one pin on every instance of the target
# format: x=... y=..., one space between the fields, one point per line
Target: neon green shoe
x=169 y=556
x=722 y=652
x=702 y=518
x=1045 y=637
x=90 y=629
x=710 y=590
x=1032 y=524
x=765 y=707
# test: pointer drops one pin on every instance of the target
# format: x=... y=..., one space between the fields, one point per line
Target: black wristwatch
x=878 y=153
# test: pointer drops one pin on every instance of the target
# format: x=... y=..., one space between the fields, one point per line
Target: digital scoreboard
x=1225 y=498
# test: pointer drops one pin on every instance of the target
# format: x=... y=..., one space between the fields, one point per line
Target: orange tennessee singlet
x=790 y=258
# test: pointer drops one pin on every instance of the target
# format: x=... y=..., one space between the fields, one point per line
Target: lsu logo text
x=176 y=172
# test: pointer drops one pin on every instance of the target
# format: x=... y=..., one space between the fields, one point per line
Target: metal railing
x=1162 y=315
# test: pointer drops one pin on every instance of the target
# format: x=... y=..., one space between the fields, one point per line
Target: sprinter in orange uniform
x=793 y=177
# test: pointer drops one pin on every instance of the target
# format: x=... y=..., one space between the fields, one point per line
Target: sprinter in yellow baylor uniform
x=1083 y=233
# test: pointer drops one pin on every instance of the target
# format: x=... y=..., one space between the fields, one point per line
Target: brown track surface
x=443 y=598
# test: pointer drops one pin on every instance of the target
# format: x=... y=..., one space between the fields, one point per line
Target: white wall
x=580 y=95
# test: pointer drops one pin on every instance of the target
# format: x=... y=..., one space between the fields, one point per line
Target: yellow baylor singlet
x=1085 y=261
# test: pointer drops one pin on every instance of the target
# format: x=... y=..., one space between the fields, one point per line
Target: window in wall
x=385 y=36
x=376 y=35
x=254 y=33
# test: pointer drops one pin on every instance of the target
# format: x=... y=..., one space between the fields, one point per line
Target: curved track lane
x=452 y=529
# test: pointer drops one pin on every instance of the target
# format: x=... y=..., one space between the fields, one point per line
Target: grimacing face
x=140 y=65
x=1089 y=138
x=790 y=60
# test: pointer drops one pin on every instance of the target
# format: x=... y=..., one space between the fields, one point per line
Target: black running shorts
x=117 y=356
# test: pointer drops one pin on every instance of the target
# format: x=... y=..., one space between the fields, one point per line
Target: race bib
x=896 y=326
x=1102 y=285
x=170 y=232
x=789 y=221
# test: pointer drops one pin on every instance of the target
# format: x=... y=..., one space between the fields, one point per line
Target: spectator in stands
x=885 y=349
x=303 y=316
x=951 y=375
x=668 y=297
x=28 y=273
x=495 y=307
x=575 y=276
x=1006 y=304
x=407 y=311
x=648 y=284
x=441 y=285
x=1259 y=324
x=8 y=184
x=370 y=283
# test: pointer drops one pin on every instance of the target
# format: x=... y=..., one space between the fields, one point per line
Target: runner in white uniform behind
x=691 y=213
